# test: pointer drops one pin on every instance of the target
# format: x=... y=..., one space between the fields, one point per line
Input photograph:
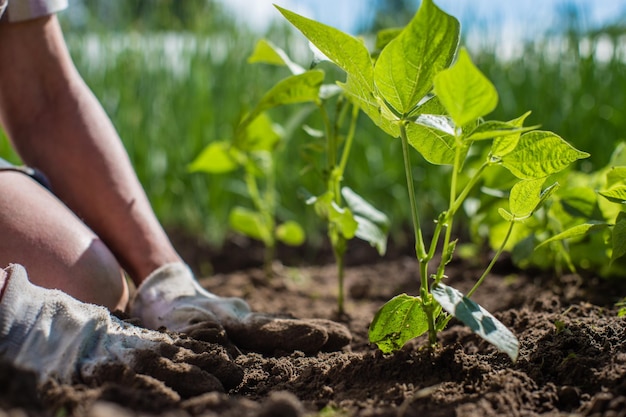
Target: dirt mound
x=572 y=356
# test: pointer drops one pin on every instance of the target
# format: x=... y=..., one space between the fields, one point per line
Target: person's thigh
x=59 y=251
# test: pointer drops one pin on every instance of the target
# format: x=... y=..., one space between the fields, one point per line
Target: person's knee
x=101 y=277
x=56 y=248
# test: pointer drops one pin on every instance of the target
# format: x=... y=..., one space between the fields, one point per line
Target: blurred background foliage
x=173 y=76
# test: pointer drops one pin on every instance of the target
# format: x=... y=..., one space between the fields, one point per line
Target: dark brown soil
x=572 y=357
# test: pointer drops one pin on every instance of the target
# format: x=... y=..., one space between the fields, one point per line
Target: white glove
x=172 y=298
x=59 y=337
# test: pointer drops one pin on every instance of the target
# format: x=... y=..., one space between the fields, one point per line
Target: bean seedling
x=411 y=92
x=252 y=148
x=347 y=214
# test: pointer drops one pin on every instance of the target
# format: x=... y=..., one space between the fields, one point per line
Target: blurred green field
x=170 y=91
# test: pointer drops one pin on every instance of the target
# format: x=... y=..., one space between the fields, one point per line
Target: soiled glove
x=171 y=297
x=59 y=337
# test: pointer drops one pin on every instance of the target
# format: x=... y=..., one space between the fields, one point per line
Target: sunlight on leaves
x=464 y=91
x=615 y=194
x=434 y=144
x=348 y=52
x=525 y=197
x=539 y=154
x=493 y=129
x=502 y=145
x=406 y=67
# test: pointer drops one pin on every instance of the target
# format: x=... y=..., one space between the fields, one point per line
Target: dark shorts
x=31 y=172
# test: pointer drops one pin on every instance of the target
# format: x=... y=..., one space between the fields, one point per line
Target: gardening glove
x=172 y=298
x=59 y=337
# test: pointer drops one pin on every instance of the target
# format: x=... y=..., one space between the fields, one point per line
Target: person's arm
x=58 y=126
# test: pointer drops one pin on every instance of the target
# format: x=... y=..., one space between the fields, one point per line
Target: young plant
x=605 y=218
x=411 y=93
x=580 y=229
x=346 y=214
x=252 y=149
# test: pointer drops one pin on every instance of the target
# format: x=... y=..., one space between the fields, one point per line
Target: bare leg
x=56 y=248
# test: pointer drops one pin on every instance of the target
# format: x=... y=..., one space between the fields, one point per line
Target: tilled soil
x=572 y=356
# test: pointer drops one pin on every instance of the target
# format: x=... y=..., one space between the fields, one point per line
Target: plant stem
x=493 y=260
x=339 y=259
x=454 y=207
x=468 y=187
x=449 y=218
x=335 y=176
x=420 y=249
x=349 y=139
x=331 y=153
x=266 y=208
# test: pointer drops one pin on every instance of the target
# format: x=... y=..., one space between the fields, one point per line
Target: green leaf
x=619 y=237
x=294 y=89
x=249 y=223
x=539 y=154
x=579 y=201
x=401 y=319
x=618 y=157
x=260 y=135
x=344 y=221
x=216 y=158
x=477 y=318
x=430 y=105
x=506 y=215
x=373 y=225
x=406 y=67
x=372 y=106
x=371 y=233
x=438 y=122
x=347 y=52
x=616 y=175
x=493 y=129
x=290 y=233
x=428 y=138
x=341 y=218
x=361 y=207
x=526 y=197
x=351 y=55
x=384 y=36
x=267 y=53
x=504 y=144
x=464 y=91
x=615 y=194
x=576 y=231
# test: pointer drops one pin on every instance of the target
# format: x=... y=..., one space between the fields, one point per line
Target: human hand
x=171 y=297
x=59 y=337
